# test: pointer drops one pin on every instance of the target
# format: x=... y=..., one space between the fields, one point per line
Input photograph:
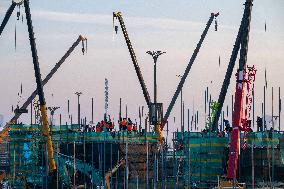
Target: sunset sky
x=171 y=26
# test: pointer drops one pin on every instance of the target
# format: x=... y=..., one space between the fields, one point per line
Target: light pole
x=78 y=94
x=155 y=55
x=52 y=111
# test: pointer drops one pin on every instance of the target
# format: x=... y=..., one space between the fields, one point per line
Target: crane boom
x=118 y=15
x=192 y=59
x=230 y=69
x=7 y=16
x=45 y=129
x=238 y=105
x=48 y=77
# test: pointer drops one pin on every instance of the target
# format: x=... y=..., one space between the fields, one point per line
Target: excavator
x=158 y=127
x=39 y=82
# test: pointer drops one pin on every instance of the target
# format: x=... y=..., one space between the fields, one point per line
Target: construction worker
x=98 y=128
x=107 y=126
x=123 y=124
x=102 y=125
x=129 y=127
x=134 y=128
x=111 y=124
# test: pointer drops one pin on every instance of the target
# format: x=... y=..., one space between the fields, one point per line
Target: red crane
x=239 y=94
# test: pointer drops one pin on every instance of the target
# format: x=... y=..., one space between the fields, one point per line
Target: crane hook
x=83 y=47
x=19 y=12
x=116 y=29
x=216 y=25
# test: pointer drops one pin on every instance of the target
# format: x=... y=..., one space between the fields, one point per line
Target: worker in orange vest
x=129 y=127
x=107 y=125
x=98 y=128
x=124 y=124
x=134 y=128
x=111 y=124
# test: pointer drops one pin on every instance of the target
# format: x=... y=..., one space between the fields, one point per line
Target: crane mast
x=118 y=16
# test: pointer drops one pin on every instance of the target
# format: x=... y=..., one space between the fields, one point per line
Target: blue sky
x=152 y=25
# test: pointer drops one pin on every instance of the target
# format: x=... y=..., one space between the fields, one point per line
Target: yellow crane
x=118 y=16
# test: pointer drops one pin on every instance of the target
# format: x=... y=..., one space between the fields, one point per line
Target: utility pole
x=78 y=95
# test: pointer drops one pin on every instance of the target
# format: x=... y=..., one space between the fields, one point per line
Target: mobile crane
x=241 y=40
x=118 y=16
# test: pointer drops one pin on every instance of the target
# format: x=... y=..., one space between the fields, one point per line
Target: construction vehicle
x=241 y=41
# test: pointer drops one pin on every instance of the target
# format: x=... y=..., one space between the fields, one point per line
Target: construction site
x=230 y=139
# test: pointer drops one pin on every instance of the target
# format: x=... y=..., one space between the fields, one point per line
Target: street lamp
x=78 y=94
x=155 y=55
x=52 y=111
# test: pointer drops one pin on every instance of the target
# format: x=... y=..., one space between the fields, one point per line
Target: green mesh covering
x=207 y=155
